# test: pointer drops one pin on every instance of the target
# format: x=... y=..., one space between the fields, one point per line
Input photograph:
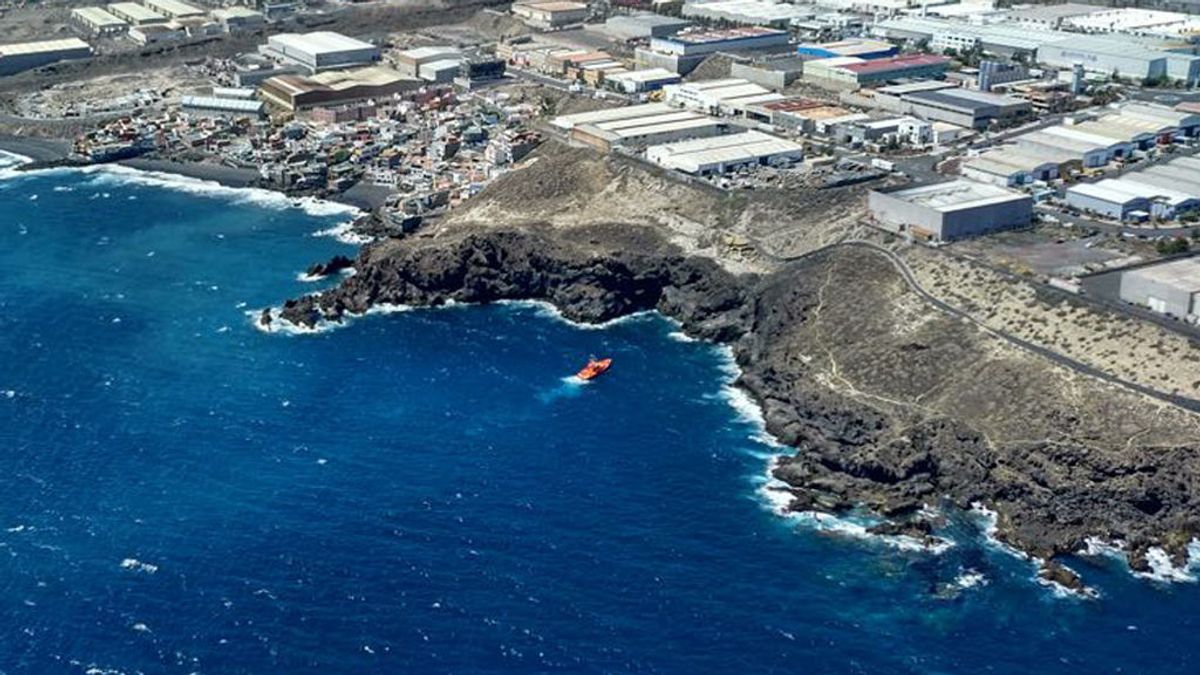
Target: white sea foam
x=33 y=198
x=549 y=311
x=308 y=278
x=285 y=327
x=136 y=565
x=778 y=499
x=680 y=336
x=989 y=520
x=63 y=188
x=110 y=174
x=970 y=578
x=344 y=232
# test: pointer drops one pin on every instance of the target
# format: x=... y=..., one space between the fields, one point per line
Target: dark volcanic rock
x=881 y=414
x=333 y=266
x=1058 y=574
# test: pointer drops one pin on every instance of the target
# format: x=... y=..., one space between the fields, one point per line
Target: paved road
x=1055 y=357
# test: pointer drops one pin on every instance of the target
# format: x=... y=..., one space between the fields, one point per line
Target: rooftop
x=320 y=42
x=1183 y=274
x=97 y=16
x=701 y=37
x=956 y=195
x=1053 y=12
x=43 y=46
x=896 y=63
x=136 y=11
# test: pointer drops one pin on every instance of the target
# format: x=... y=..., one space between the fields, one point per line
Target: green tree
x=1173 y=246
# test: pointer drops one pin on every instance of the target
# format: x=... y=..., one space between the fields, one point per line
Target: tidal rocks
x=1056 y=573
x=334 y=265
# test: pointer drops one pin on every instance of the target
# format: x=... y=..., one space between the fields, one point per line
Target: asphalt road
x=1053 y=356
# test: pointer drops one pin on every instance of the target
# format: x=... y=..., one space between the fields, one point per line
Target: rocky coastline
x=848 y=451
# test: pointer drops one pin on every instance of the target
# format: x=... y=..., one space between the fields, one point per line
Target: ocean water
x=427 y=491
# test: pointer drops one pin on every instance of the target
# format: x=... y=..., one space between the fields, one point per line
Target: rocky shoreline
x=1050 y=495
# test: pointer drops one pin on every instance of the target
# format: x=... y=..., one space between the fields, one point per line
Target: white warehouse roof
x=320 y=42
x=97 y=16
x=956 y=195
x=24 y=48
x=596 y=116
x=699 y=154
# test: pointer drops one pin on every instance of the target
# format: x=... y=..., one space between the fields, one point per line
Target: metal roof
x=215 y=103
x=617 y=125
x=136 y=11
x=174 y=7
x=956 y=195
x=626 y=112
x=1182 y=274
x=647 y=75
x=44 y=46
x=320 y=42
x=97 y=16
x=734 y=148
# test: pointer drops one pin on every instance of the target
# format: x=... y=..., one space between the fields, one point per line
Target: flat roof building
x=715 y=96
x=719 y=154
x=550 y=15
x=643 y=26
x=748 y=12
x=135 y=14
x=321 y=50
x=951 y=210
x=863 y=49
x=174 y=9
x=234 y=19
x=637 y=81
x=231 y=107
x=637 y=125
x=96 y=21
x=965 y=108
x=697 y=42
x=21 y=56
x=1167 y=288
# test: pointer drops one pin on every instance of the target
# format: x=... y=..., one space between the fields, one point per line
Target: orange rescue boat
x=594 y=369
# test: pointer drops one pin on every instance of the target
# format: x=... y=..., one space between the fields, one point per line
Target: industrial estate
x=1069 y=122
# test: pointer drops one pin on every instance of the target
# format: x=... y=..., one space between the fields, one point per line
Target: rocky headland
x=887 y=403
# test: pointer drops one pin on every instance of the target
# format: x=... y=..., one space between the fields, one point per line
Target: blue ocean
x=427 y=491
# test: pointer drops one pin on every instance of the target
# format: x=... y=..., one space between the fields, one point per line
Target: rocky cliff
x=889 y=405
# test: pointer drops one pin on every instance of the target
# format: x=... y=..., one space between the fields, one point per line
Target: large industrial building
x=15 y=58
x=637 y=126
x=322 y=50
x=337 y=87
x=135 y=14
x=951 y=210
x=863 y=49
x=550 y=15
x=174 y=9
x=1126 y=55
x=719 y=154
x=728 y=96
x=962 y=107
x=852 y=71
x=222 y=106
x=1167 y=288
x=638 y=81
x=236 y=19
x=97 y=21
x=747 y=12
x=1161 y=191
x=681 y=53
x=643 y=26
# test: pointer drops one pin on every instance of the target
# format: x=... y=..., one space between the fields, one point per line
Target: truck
x=883 y=164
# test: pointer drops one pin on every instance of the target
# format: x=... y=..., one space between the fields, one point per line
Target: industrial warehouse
x=1058 y=150
x=295 y=93
x=719 y=154
x=1164 y=192
x=322 y=50
x=15 y=58
x=951 y=210
x=1167 y=288
x=637 y=126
